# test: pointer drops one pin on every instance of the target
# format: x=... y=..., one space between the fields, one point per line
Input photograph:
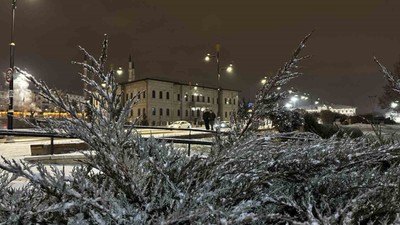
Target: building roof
x=175 y=82
x=332 y=106
x=342 y=106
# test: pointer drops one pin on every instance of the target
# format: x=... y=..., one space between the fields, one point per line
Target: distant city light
x=288 y=105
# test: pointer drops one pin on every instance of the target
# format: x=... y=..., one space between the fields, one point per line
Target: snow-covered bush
x=253 y=180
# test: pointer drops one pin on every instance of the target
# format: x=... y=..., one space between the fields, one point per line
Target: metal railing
x=185 y=139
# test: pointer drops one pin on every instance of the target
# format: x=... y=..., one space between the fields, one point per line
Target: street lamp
x=228 y=69
x=10 y=71
x=120 y=71
x=264 y=81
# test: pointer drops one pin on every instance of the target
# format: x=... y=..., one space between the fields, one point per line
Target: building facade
x=161 y=102
x=341 y=109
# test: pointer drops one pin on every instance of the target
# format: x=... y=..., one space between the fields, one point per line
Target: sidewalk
x=21 y=147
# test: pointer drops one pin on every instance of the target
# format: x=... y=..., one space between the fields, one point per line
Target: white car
x=223 y=125
x=180 y=124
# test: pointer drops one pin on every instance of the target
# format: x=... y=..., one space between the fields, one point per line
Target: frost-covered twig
x=267 y=98
x=394 y=83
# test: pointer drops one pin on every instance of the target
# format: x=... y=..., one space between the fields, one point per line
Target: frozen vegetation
x=245 y=179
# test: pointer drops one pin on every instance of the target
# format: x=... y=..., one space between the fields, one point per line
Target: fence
x=184 y=139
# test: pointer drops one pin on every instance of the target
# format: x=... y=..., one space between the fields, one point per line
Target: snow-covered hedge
x=245 y=180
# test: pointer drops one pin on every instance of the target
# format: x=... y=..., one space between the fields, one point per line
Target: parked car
x=180 y=124
x=223 y=126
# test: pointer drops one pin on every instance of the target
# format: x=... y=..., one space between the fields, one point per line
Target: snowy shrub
x=287 y=120
x=328 y=130
x=253 y=180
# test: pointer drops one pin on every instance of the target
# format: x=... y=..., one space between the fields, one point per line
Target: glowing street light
x=303 y=97
x=264 y=81
x=288 y=105
x=229 y=69
x=120 y=71
x=207 y=58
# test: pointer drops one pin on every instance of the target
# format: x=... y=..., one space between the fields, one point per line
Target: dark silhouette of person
x=212 y=119
x=206 y=118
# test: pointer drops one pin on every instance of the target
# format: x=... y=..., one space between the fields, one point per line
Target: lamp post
x=228 y=69
x=10 y=71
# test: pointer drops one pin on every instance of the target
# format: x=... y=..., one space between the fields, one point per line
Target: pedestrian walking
x=206 y=119
x=212 y=119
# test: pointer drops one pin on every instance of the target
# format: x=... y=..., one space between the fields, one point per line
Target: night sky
x=168 y=39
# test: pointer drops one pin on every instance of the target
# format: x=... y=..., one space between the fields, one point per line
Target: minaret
x=131 y=70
